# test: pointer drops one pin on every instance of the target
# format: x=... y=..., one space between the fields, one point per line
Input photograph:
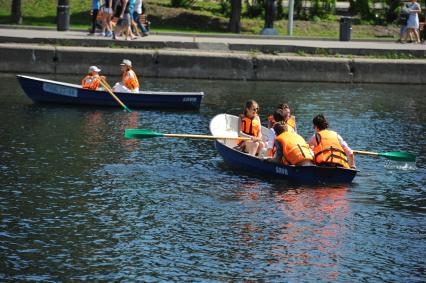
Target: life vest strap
x=336 y=156
x=330 y=149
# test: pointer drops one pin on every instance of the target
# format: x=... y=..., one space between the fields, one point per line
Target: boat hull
x=300 y=174
x=47 y=91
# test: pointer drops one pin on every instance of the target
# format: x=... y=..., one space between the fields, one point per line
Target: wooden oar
x=393 y=155
x=108 y=88
x=146 y=134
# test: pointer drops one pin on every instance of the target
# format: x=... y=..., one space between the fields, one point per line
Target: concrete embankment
x=198 y=64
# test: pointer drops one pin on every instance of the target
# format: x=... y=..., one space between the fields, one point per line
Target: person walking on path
x=123 y=24
x=95 y=10
x=137 y=17
x=402 y=20
x=107 y=13
x=413 y=20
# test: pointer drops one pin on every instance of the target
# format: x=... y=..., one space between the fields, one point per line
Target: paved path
x=208 y=42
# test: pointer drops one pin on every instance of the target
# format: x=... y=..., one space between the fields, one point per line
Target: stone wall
x=33 y=59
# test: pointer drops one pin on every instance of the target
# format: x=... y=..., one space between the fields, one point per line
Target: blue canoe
x=227 y=125
x=48 y=91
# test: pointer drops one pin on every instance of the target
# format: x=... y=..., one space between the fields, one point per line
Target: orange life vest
x=294 y=148
x=291 y=122
x=249 y=126
x=328 y=149
x=128 y=81
x=90 y=82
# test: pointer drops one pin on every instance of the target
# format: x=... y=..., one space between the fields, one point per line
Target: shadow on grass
x=82 y=18
x=191 y=22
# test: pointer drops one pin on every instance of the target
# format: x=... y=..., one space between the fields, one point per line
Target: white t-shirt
x=271 y=138
x=138 y=6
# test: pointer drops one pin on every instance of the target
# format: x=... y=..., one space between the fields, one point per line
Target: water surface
x=80 y=202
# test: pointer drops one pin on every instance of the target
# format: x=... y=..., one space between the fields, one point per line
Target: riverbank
x=214 y=57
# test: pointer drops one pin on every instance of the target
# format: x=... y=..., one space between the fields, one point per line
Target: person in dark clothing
x=95 y=10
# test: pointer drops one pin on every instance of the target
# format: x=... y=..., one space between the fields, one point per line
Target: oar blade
x=140 y=134
x=399 y=156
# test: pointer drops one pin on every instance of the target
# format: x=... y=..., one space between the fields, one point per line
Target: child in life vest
x=249 y=126
x=291 y=148
x=129 y=81
x=329 y=147
x=92 y=79
x=290 y=119
x=276 y=117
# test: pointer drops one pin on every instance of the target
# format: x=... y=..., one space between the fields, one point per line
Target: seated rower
x=249 y=126
x=92 y=80
x=291 y=119
x=329 y=147
x=277 y=116
x=129 y=81
x=291 y=148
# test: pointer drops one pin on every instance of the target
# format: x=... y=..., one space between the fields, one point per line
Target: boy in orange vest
x=92 y=79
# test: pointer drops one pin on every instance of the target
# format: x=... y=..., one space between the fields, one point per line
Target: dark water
x=79 y=202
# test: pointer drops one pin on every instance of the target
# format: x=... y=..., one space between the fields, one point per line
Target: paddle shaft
x=108 y=88
x=205 y=137
x=366 y=152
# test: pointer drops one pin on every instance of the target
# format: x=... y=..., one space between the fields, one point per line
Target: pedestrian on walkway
x=402 y=20
x=413 y=20
x=137 y=18
x=124 y=21
x=107 y=13
x=95 y=10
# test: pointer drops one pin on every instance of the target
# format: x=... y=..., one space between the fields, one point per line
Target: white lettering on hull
x=60 y=90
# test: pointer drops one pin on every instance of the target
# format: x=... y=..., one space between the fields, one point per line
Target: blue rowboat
x=41 y=90
x=227 y=125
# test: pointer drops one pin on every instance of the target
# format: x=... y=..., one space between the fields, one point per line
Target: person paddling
x=291 y=148
x=129 y=81
x=249 y=126
x=329 y=147
x=92 y=79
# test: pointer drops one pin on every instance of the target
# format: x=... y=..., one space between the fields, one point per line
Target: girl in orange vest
x=129 y=81
x=291 y=119
x=249 y=126
x=329 y=147
x=292 y=149
x=91 y=80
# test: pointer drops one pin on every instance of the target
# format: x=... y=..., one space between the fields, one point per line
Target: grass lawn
x=205 y=17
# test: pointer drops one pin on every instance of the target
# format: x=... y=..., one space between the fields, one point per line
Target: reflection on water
x=78 y=202
x=306 y=229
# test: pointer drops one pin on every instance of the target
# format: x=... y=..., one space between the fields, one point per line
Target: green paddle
x=146 y=134
x=393 y=155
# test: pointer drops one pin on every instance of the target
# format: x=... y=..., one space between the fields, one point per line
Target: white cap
x=94 y=69
x=126 y=62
